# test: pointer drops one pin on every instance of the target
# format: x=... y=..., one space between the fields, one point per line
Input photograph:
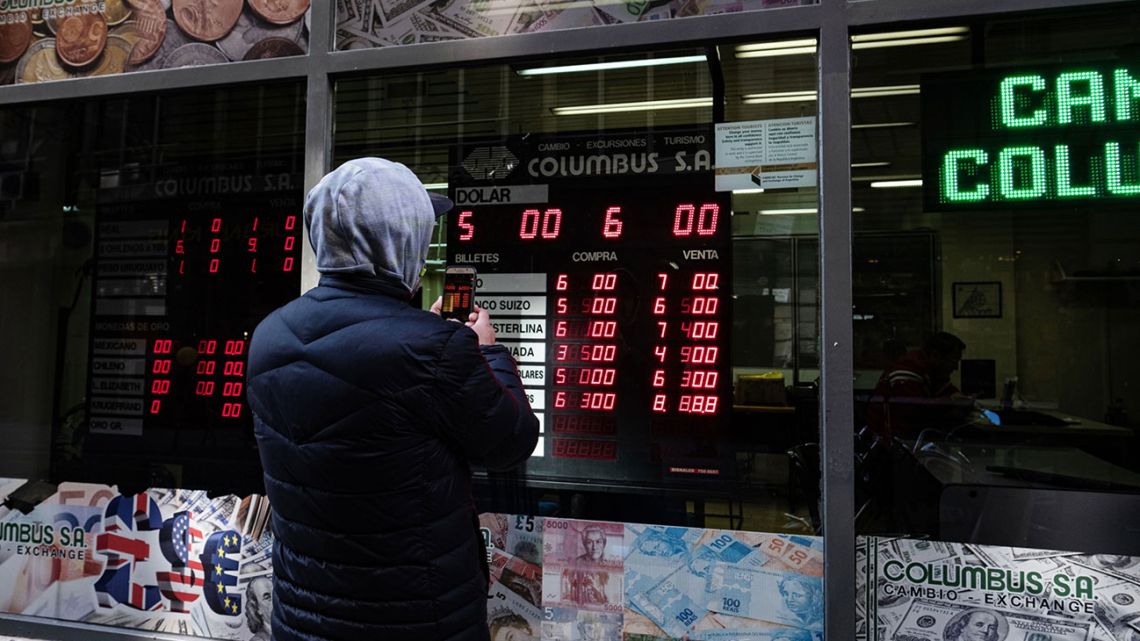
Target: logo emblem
x=490 y=163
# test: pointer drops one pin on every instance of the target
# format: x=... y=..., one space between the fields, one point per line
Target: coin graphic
x=81 y=38
x=274 y=48
x=193 y=55
x=251 y=30
x=40 y=64
x=114 y=58
x=207 y=20
x=279 y=11
x=116 y=12
x=150 y=24
x=173 y=40
x=15 y=36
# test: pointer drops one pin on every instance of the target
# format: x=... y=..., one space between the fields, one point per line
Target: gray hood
x=371 y=217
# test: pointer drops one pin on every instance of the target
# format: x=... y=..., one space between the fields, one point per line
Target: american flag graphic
x=181 y=585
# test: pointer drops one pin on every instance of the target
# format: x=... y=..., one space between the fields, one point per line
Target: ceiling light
x=888 y=184
x=779 y=96
x=882 y=125
x=808 y=96
x=913 y=33
x=774 y=49
x=866 y=165
x=892 y=90
x=806 y=210
x=432 y=186
x=747 y=191
x=615 y=107
x=606 y=66
x=879 y=44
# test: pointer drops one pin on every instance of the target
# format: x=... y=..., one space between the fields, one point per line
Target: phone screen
x=458 y=293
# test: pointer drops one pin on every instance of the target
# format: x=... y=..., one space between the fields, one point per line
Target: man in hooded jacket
x=367 y=413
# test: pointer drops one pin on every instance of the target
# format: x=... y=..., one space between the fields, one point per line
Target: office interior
x=1056 y=337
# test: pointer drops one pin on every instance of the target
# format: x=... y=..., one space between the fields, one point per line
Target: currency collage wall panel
x=55 y=40
x=181 y=561
x=364 y=24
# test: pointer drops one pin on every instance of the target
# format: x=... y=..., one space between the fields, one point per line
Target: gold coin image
x=41 y=64
x=15 y=35
x=116 y=12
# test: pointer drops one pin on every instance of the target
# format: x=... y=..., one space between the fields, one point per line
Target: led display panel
x=181 y=280
x=1031 y=137
x=604 y=261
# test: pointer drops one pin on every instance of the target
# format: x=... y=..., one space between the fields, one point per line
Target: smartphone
x=458 y=292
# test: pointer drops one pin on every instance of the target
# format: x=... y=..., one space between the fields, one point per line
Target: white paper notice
x=766 y=154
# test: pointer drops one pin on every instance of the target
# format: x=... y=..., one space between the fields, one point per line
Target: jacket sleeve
x=486 y=412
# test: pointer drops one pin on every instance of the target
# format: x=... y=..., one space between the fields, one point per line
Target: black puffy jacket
x=367 y=412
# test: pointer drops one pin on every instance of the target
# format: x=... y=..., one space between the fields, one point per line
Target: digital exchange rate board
x=604 y=261
x=179 y=287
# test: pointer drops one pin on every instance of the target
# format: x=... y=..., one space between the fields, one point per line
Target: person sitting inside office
x=915 y=393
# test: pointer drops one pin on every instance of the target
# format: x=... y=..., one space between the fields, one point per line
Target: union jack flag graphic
x=125 y=515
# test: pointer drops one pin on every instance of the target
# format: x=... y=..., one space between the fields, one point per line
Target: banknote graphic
x=778 y=597
x=1118 y=610
x=933 y=621
x=517 y=535
x=564 y=624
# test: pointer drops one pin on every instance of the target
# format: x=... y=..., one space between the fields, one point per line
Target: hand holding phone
x=458 y=293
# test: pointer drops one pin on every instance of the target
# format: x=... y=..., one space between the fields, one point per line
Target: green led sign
x=1061 y=135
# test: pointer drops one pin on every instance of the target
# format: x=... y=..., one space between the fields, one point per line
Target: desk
x=1059 y=498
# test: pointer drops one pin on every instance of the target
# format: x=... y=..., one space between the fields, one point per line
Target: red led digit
x=685 y=212
x=612 y=226
x=155 y=406
x=231 y=410
x=255 y=219
x=561 y=283
x=163 y=346
x=181 y=267
x=287 y=266
x=290 y=242
x=468 y=229
x=561 y=352
x=661 y=327
x=161 y=366
x=659 y=403
x=216 y=225
x=214 y=264
x=686 y=404
x=234 y=368
x=183 y=227
x=559 y=399
x=207 y=346
x=659 y=351
x=160 y=386
x=215 y=245
x=253 y=266
x=290 y=222
x=561 y=306
x=179 y=247
x=528 y=225
x=234 y=348
x=706 y=220
x=658 y=378
x=663 y=280
x=560 y=329
x=204 y=388
x=231 y=388
x=659 y=305
x=205 y=368
x=605 y=282
x=559 y=375
x=251 y=245
x=551 y=223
